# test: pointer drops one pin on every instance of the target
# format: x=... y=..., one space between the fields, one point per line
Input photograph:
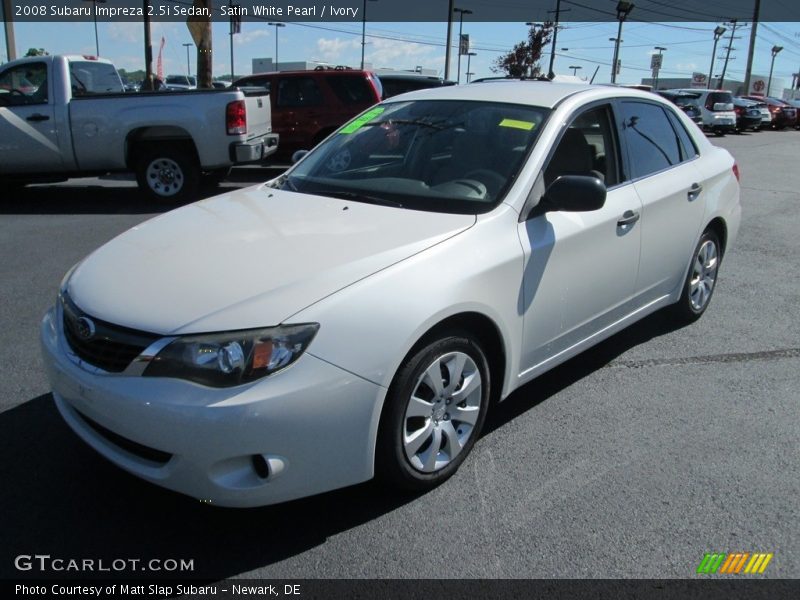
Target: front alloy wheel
x=434 y=412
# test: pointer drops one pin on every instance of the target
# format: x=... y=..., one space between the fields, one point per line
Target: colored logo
x=734 y=563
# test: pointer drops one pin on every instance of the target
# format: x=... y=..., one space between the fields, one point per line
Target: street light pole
x=575 y=70
x=276 y=26
x=775 y=51
x=469 y=57
x=188 y=67
x=94 y=12
x=462 y=12
x=719 y=31
x=624 y=8
x=658 y=70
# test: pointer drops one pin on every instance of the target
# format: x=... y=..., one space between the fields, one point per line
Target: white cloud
x=248 y=37
x=398 y=55
x=331 y=50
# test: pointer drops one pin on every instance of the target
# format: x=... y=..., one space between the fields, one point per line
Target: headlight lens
x=228 y=359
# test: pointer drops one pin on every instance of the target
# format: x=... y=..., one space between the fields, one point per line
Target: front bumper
x=313 y=425
x=254 y=150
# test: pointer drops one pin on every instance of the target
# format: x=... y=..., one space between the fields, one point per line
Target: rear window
x=352 y=89
x=89 y=78
x=718 y=97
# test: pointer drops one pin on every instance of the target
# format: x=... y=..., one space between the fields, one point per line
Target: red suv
x=308 y=105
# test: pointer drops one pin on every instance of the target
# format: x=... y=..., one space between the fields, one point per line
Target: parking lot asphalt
x=632 y=460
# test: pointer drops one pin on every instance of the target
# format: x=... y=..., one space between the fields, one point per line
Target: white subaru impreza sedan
x=360 y=314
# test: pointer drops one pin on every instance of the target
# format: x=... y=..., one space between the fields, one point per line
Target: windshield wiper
x=407 y=122
x=358 y=197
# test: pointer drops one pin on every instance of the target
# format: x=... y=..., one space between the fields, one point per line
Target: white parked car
x=360 y=314
x=717 y=109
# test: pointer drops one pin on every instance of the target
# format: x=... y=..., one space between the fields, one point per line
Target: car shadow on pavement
x=62 y=499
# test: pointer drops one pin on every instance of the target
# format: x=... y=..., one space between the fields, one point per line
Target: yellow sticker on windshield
x=526 y=125
x=358 y=123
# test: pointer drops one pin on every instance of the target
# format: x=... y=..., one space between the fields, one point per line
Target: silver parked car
x=360 y=314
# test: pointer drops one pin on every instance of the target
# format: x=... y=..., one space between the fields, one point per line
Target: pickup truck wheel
x=168 y=174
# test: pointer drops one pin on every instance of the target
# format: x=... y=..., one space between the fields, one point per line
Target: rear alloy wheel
x=168 y=174
x=701 y=279
x=434 y=413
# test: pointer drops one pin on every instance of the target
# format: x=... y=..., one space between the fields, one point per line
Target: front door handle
x=694 y=192
x=38 y=117
x=629 y=217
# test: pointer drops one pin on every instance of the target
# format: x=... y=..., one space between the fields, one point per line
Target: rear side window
x=91 y=78
x=687 y=145
x=298 y=91
x=352 y=89
x=652 y=142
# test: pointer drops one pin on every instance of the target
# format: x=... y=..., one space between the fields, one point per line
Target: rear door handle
x=38 y=117
x=629 y=217
x=694 y=191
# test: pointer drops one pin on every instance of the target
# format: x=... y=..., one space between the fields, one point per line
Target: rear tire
x=434 y=412
x=168 y=174
x=700 y=282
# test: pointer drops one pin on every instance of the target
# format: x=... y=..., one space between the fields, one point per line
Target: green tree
x=37 y=52
x=523 y=60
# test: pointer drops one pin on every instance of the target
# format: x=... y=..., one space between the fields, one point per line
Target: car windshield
x=437 y=155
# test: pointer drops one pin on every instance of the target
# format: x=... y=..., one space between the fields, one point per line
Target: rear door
x=662 y=160
x=28 y=134
x=580 y=267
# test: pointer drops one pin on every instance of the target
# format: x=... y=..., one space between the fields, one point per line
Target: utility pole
x=752 y=48
x=550 y=72
x=8 y=19
x=148 y=50
x=727 y=54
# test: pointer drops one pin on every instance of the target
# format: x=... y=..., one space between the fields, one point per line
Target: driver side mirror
x=574 y=193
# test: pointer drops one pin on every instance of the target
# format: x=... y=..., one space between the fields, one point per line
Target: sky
x=407 y=45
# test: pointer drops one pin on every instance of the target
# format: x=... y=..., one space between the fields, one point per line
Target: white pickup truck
x=68 y=116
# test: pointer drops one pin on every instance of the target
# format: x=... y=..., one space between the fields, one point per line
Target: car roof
x=324 y=72
x=531 y=92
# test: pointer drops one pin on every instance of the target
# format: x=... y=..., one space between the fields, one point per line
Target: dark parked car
x=688 y=103
x=307 y=106
x=400 y=83
x=783 y=114
x=748 y=116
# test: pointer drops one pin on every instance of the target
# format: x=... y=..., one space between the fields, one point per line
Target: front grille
x=111 y=347
x=145 y=452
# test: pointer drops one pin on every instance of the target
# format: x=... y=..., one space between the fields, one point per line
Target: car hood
x=251 y=258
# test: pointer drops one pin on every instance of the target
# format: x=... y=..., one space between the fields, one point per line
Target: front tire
x=168 y=174
x=434 y=412
x=701 y=279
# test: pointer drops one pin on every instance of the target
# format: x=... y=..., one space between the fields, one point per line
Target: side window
x=588 y=147
x=688 y=147
x=652 y=142
x=351 y=89
x=23 y=85
x=298 y=91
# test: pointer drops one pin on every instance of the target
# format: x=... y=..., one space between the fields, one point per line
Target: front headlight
x=228 y=359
